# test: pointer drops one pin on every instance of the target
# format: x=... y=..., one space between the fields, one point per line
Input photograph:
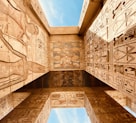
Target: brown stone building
x=92 y=65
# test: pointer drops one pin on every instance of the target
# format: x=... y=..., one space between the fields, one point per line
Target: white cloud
x=65 y=117
x=60 y=115
x=87 y=120
x=52 y=12
x=72 y=115
x=75 y=114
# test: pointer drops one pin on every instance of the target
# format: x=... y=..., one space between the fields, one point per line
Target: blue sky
x=62 y=12
x=68 y=115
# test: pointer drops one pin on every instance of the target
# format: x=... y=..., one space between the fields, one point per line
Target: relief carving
x=113 y=59
x=18 y=34
x=66 y=55
x=130 y=14
x=130 y=71
x=129 y=85
x=67 y=99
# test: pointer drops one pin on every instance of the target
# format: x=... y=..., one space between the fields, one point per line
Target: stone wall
x=110 y=46
x=23 y=45
x=36 y=108
x=131 y=103
x=66 y=79
x=66 y=53
x=9 y=102
x=103 y=109
x=54 y=79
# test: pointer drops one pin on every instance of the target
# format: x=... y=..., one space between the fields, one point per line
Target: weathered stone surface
x=110 y=46
x=67 y=99
x=101 y=108
x=29 y=48
x=66 y=53
x=9 y=102
x=23 y=46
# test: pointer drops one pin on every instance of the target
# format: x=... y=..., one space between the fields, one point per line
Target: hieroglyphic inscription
x=66 y=55
x=113 y=59
x=67 y=99
x=96 y=106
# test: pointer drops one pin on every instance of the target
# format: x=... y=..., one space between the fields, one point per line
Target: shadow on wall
x=65 y=79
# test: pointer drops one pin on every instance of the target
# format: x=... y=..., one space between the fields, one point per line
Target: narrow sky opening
x=62 y=12
x=130 y=111
x=68 y=115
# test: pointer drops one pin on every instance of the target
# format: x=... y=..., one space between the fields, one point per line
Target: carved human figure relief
x=16 y=32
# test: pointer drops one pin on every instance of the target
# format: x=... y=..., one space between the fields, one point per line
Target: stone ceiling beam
x=92 y=11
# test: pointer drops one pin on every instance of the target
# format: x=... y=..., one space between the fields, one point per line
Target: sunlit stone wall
x=110 y=46
x=83 y=11
x=23 y=45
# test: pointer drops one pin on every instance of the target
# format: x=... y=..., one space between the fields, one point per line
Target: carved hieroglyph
x=67 y=99
x=66 y=55
x=110 y=46
x=23 y=45
x=37 y=106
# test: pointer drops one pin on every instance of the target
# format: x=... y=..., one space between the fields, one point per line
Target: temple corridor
x=91 y=65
